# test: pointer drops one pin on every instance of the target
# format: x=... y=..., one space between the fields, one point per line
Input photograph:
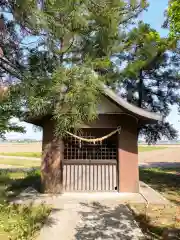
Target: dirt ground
x=171 y=154
x=20 y=147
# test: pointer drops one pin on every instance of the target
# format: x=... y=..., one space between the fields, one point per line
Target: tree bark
x=140 y=89
x=52 y=157
x=140 y=93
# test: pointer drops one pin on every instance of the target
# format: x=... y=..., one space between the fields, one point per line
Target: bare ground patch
x=168 y=155
x=20 y=147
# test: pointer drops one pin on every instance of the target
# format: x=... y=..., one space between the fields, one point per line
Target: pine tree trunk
x=140 y=93
x=140 y=89
x=52 y=157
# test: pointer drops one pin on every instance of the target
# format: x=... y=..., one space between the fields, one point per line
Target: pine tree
x=80 y=34
x=10 y=70
x=151 y=77
x=62 y=72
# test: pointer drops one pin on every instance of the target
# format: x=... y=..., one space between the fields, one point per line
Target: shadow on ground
x=102 y=222
x=155 y=231
x=163 y=180
x=12 y=186
x=164 y=165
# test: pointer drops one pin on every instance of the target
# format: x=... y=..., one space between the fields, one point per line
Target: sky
x=155 y=17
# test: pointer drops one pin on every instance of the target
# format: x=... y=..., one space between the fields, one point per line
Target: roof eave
x=130 y=108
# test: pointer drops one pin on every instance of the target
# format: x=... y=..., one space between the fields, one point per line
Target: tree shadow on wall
x=102 y=222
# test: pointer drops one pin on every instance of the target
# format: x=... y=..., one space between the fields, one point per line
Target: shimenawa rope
x=94 y=140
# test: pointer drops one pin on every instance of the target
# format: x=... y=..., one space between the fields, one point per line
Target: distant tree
x=151 y=77
x=11 y=58
x=173 y=14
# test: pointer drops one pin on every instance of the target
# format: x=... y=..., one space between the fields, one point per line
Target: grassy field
x=19 y=222
x=23 y=154
x=20 y=162
x=149 y=148
x=38 y=154
x=158 y=222
x=166 y=181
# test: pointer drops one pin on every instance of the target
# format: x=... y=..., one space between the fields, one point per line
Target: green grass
x=166 y=181
x=22 y=154
x=19 y=222
x=149 y=148
x=157 y=220
x=21 y=162
x=12 y=183
x=22 y=222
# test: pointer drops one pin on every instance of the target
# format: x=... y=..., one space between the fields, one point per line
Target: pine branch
x=7 y=70
x=70 y=46
x=13 y=71
x=132 y=15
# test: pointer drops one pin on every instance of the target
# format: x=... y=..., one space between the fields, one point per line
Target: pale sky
x=154 y=16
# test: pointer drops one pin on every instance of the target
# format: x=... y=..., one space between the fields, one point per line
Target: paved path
x=89 y=216
x=88 y=220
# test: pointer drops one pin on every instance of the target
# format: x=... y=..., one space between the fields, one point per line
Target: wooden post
x=52 y=157
x=128 y=179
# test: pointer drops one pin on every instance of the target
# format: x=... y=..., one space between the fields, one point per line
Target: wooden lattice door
x=88 y=166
